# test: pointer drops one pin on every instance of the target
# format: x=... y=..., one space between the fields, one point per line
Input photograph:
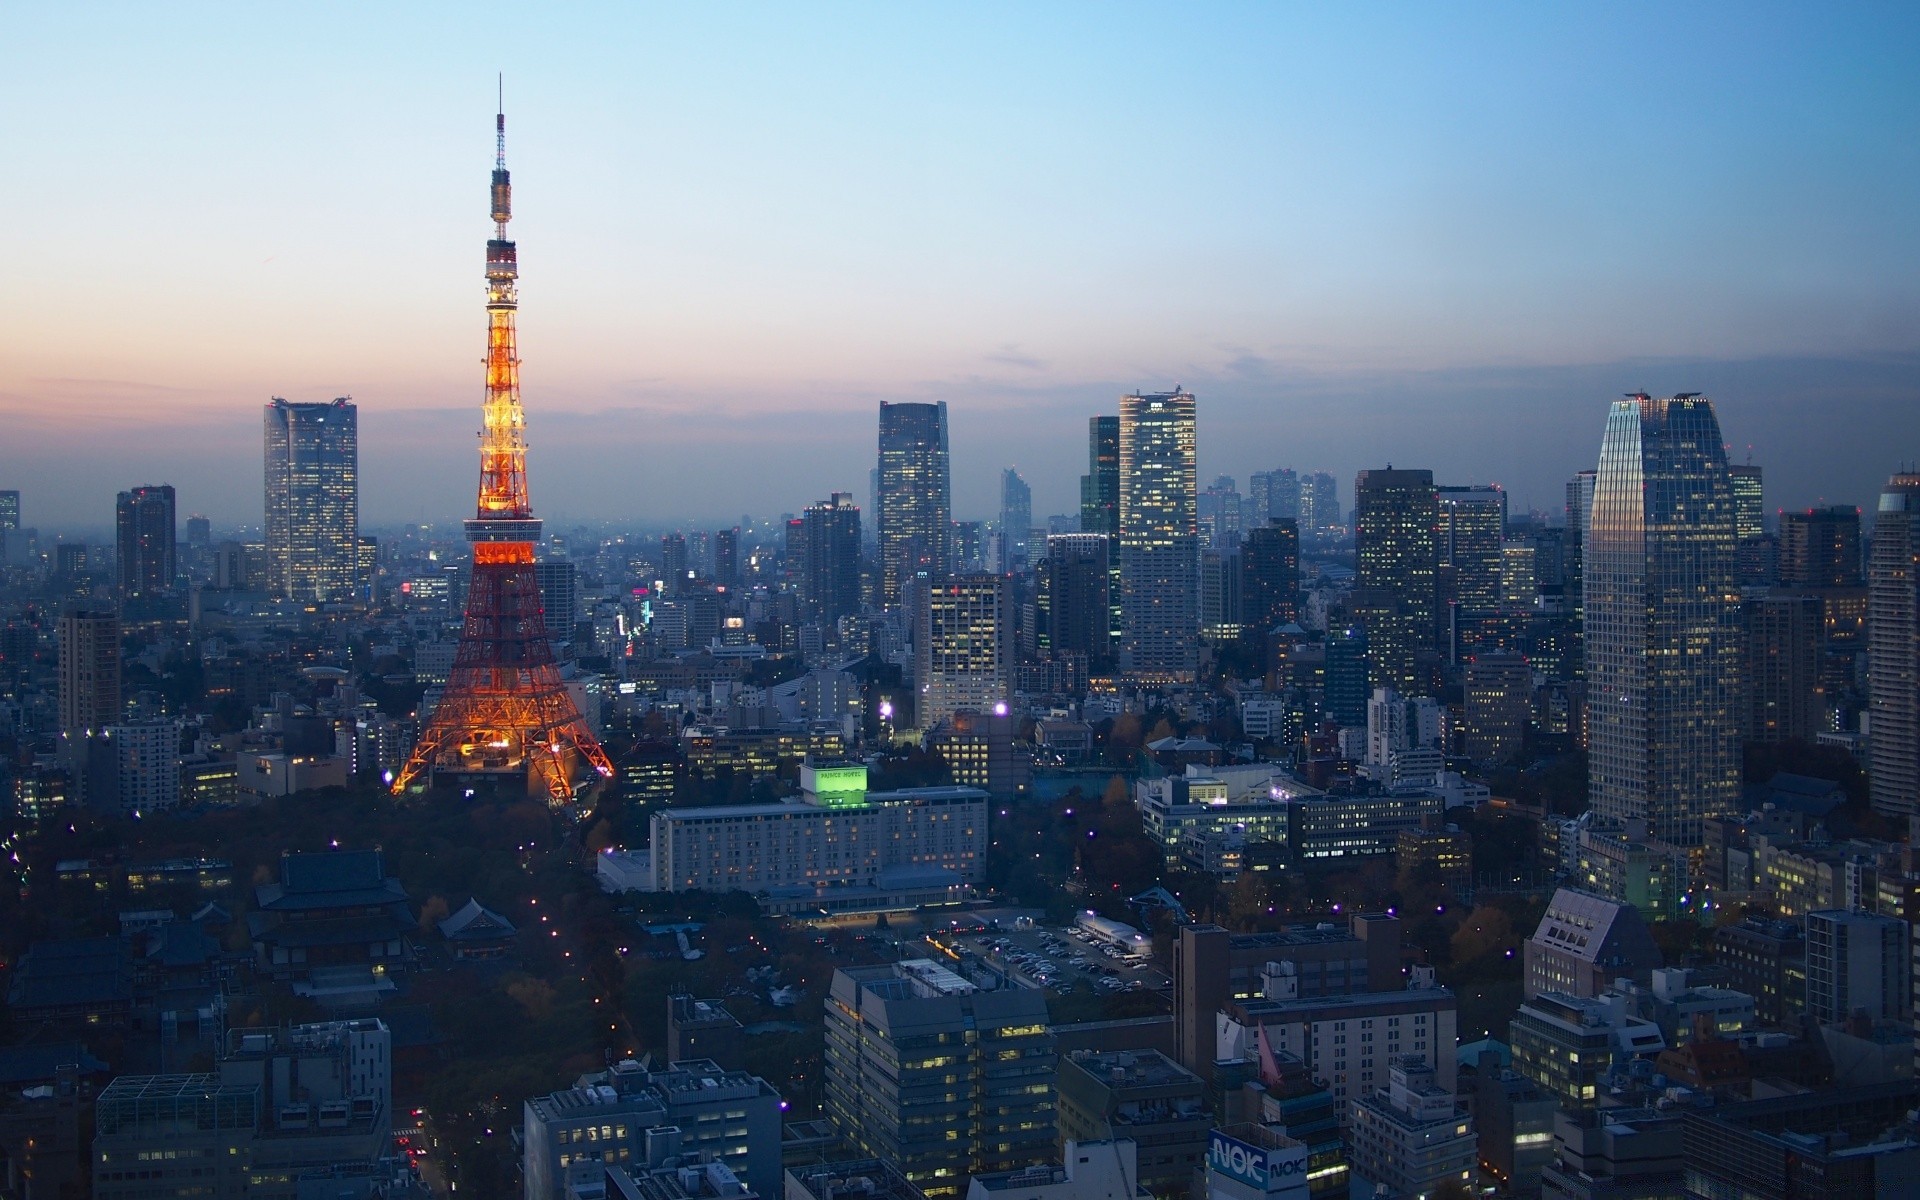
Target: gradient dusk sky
x=1437 y=235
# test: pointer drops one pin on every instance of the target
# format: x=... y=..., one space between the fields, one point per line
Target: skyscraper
x=674 y=563
x=1222 y=512
x=1016 y=521
x=1100 y=486
x=915 y=496
x=1663 y=629
x=726 y=557
x=1893 y=649
x=9 y=510
x=1472 y=530
x=1319 y=503
x=1820 y=548
x=1395 y=518
x=829 y=568
x=1076 y=597
x=1749 y=501
x=313 y=500
x=962 y=645
x=1270 y=596
x=1159 y=536
x=1272 y=494
x=1782 y=667
x=144 y=549
x=89 y=671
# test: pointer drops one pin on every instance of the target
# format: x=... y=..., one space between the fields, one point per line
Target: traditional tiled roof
x=474 y=923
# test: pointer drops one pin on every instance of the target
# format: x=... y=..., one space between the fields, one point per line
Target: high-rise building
x=1893 y=650
x=1222 y=513
x=1782 y=667
x=199 y=531
x=1076 y=597
x=89 y=671
x=726 y=557
x=915 y=497
x=9 y=510
x=674 y=563
x=1395 y=518
x=1100 y=486
x=1159 y=536
x=1272 y=495
x=963 y=646
x=1472 y=530
x=1749 y=501
x=144 y=550
x=1580 y=503
x=829 y=549
x=505 y=711
x=1016 y=522
x=313 y=500
x=1221 y=606
x=1319 y=503
x=1348 y=679
x=1499 y=701
x=559 y=597
x=1857 y=962
x=1820 y=548
x=1663 y=633
x=901 y=1034
x=1270 y=596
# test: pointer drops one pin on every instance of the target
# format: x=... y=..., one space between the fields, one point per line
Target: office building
x=839 y=843
x=1320 y=504
x=984 y=751
x=945 y=1081
x=1349 y=1042
x=627 y=1115
x=1076 y=598
x=1159 y=537
x=144 y=550
x=915 y=497
x=1087 y=1171
x=1271 y=496
x=1016 y=522
x=1893 y=650
x=726 y=557
x=1663 y=635
x=1766 y=959
x=1499 y=705
x=1214 y=968
x=89 y=671
x=675 y=563
x=1615 y=1154
x=559 y=597
x=828 y=568
x=9 y=510
x=1222 y=515
x=1820 y=548
x=313 y=501
x=1822 y=1145
x=1469 y=542
x=963 y=645
x=1583 y=943
x=1395 y=516
x=1514 y=1120
x=1782 y=643
x=1412 y=1136
x=1221 y=608
x=1270 y=561
x=1144 y=1097
x=1749 y=501
x=1857 y=962
x=1348 y=676
x=1566 y=1045
x=1247 y=1160
x=1100 y=486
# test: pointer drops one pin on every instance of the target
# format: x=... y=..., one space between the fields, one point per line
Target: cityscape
x=1044 y=790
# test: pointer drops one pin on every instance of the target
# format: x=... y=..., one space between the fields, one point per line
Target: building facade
x=313 y=500
x=1893 y=650
x=915 y=496
x=1159 y=536
x=1395 y=519
x=963 y=645
x=144 y=541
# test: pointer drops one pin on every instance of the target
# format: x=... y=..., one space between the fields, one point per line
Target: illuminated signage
x=1268 y=1171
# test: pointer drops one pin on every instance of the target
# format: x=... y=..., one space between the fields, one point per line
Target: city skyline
x=816 y=250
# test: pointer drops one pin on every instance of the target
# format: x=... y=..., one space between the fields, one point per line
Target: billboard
x=1265 y=1171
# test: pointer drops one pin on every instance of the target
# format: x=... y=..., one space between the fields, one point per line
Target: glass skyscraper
x=914 y=496
x=1100 y=486
x=1016 y=522
x=1663 y=626
x=1893 y=649
x=1395 y=524
x=1159 y=536
x=313 y=500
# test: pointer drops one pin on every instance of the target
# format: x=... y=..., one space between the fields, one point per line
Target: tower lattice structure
x=505 y=709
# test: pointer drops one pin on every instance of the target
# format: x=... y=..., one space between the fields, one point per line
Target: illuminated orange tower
x=505 y=710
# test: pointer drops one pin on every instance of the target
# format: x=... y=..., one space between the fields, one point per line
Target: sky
x=1429 y=235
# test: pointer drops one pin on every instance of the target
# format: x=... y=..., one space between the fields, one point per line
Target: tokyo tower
x=505 y=710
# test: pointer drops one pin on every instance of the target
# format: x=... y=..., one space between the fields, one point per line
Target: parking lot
x=1060 y=960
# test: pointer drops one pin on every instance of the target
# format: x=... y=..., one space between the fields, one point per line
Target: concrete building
x=1499 y=705
x=963 y=645
x=1893 y=649
x=1766 y=959
x=629 y=1114
x=1141 y=1096
x=1249 y=1161
x=1566 y=1045
x=1350 y=1042
x=1823 y=1145
x=89 y=673
x=1413 y=1135
x=134 y=767
x=1087 y=1171
x=1583 y=943
x=1615 y=1154
x=926 y=1071
x=1857 y=962
x=1514 y=1120
x=1396 y=593
x=145 y=532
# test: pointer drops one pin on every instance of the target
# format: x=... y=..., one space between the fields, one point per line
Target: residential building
x=133 y=768
x=914 y=498
x=1626 y=867
x=1783 y=641
x=1662 y=633
x=1857 y=962
x=984 y=751
x=963 y=646
x=313 y=501
x=559 y=582
x=1270 y=564
x=144 y=542
x=1141 y=1096
x=89 y=673
x=1076 y=598
x=1413 y=1135
x=1893 y=650
x=828 y=571
x=1583 y=943
x=926 y=1071
x=1159 y=537
x=1395 y=516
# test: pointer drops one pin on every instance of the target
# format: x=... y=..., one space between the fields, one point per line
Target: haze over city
x=1358 y=235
